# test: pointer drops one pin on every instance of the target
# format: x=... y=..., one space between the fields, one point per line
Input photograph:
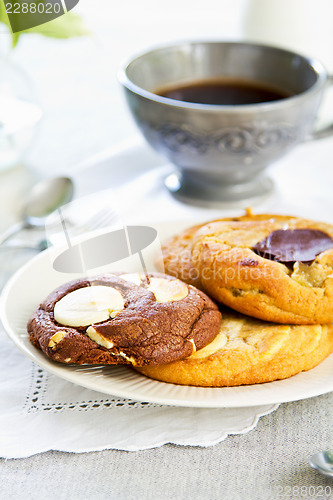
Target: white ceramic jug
x=305 y=26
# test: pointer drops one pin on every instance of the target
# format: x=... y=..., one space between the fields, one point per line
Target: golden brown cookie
x=238 y=263
x=124 y=319
x=249 y=351
x=176 y=257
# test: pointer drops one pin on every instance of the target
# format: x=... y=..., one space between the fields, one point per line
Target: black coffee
x=224 y=91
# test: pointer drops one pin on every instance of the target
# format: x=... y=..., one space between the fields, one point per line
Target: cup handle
x=325 y=131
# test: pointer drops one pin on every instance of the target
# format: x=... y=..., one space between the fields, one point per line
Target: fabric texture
x=41 y=412
x=268 y=463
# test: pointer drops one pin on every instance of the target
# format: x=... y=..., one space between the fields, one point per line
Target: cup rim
x=317 y=66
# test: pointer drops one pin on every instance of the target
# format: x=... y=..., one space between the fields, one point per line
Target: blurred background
x=75 y=80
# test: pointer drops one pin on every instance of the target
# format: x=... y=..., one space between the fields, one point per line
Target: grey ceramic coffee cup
x=221 y=151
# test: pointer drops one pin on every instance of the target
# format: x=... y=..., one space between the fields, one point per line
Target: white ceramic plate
x=30 y=285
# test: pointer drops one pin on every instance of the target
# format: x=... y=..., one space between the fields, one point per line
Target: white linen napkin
x=41 y=412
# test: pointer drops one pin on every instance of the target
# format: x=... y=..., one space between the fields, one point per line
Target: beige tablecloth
x=269 y=462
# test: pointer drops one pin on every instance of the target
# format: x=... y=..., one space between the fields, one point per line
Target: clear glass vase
x=20 y=113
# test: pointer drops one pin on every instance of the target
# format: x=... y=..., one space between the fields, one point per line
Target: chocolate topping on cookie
x=293 y=245
x=124 y=319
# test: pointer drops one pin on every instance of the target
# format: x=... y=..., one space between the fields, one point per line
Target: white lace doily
x=41 y=412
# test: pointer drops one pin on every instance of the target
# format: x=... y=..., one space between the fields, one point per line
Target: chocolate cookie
x=275 y=268
x=124 y=319
x=249 y=351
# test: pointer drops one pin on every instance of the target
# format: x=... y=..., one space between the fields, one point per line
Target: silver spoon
x=44 y=198
x=23 y=245
x=323 y=462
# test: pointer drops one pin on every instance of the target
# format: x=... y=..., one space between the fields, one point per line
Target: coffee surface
x=293 y=245
x=224 y=92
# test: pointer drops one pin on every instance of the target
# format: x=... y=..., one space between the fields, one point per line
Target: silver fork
x=100 y=219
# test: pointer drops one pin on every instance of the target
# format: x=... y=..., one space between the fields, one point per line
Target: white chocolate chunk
x=88 y=305
x=193 y=344
x=132 y=277
x=128 y=358
x=56 y=338
x=167 y=290
x=98 y=338
x=217 y=344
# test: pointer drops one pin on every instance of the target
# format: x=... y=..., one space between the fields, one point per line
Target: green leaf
x=3 y=14
x=15 y=39
x=66 y=26
x=4 y=19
